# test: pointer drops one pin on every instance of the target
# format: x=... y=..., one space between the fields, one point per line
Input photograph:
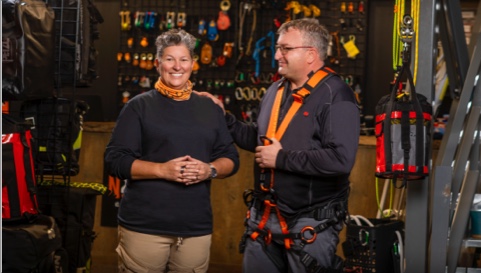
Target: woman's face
x=175 y=66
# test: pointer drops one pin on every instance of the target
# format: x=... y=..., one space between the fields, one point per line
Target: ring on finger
x=182 y=169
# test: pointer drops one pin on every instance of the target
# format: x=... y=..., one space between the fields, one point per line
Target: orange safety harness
x=273 y=131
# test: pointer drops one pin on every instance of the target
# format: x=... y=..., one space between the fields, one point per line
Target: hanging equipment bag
x=403 y=133
x=28 y=49
x=19 y=186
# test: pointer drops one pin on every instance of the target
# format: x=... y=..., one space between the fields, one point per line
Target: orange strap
x=272 y=131
x=268 y=205
x=284 y=228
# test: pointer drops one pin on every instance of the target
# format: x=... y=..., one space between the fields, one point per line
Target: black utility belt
x=328 y=211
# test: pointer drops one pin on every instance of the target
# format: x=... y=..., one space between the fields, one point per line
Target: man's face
x=291 y=54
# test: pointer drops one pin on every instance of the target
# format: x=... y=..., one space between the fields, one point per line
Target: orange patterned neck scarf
x=174 y=93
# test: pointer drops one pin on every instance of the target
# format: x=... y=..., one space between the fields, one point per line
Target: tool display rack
x=55 y=193
x=66 y=28
x=346 y=20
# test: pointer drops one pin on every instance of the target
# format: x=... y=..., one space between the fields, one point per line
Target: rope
x=85 y=185
x=399 y=11
x=253 y=29
x=398 y=8
x=391 y=197
x=415 y=15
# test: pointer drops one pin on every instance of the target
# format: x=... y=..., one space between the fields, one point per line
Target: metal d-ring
x=310 y=230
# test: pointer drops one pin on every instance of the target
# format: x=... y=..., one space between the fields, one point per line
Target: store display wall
x=236 y=81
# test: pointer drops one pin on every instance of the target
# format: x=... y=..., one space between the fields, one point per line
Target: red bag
x=403 y=134
x=19 y=200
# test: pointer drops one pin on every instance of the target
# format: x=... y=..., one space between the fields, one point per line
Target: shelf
x=468 y=270
x=472 y=242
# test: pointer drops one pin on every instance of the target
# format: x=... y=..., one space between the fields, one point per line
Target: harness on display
x=266 y=197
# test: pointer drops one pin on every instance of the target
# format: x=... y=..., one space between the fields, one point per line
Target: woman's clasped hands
x=188 y=170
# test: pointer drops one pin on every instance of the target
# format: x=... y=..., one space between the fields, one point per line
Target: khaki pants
x=145 y=253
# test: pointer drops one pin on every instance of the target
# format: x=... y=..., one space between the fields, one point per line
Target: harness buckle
x=309 y=262
x=263 y=188
x=324 y=213
x=301 y=95
x=268 y=237
x=297 y=98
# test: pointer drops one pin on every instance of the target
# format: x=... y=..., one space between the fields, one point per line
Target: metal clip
x=170 y=19
x=181 y=19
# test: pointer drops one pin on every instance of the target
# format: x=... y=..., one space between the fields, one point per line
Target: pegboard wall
x=236 y=40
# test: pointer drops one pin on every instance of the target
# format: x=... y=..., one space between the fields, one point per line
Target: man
x=305 y=146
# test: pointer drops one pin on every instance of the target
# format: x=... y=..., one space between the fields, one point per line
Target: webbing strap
x=265 y=217
x=272 y=130
x=282 y=222
x=284 y=228
x=298 y=100
x=318 y=76
x=405 y=125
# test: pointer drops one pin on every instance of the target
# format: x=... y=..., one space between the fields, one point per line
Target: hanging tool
x=139 y=18
x=125 y=20
x=261 y=45
x=170 y=19
x=212 y=33
x=257 y=55
x=181 y=19
x=350 y=46
x=406 y=33
x=272 y=45
x=223 y=21
x=149 y=20
x=246 y=8
x=202 y=30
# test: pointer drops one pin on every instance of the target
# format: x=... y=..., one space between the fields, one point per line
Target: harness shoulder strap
x=299 y=97
x=319 y=76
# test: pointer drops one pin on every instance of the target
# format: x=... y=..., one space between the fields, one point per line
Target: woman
x=169 y=143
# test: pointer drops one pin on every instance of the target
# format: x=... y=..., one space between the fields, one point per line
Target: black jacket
x=319 y=145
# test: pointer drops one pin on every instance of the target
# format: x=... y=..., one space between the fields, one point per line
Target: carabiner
x=263 y=138
x=248 y=196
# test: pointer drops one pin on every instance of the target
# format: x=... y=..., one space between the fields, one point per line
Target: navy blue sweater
x=154 y=128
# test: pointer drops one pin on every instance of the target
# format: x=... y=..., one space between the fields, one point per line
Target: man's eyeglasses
x=285 y=49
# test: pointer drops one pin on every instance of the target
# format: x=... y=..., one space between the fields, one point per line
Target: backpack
x=28 y=48
x=403 y=133
x=78 y=54
x=73 y=208
x=33 y=247
x=19 y=189
x=56 y=125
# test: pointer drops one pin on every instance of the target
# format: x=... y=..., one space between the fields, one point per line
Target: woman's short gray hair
x=313 y=33
x=174 y=37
